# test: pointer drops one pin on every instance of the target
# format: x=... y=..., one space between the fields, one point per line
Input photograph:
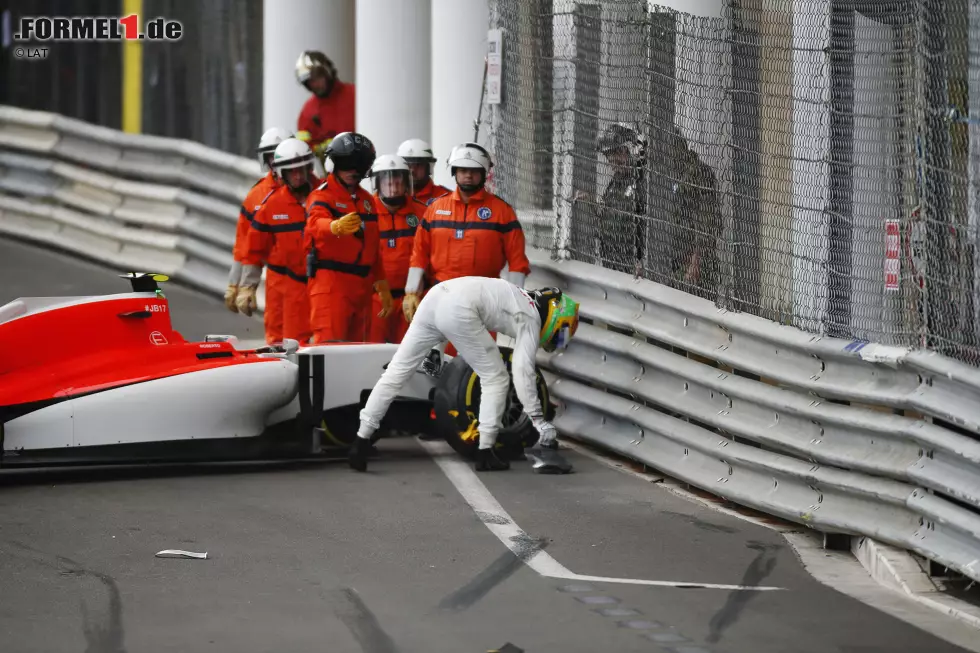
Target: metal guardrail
x=125 y=200
x=796 y=425
x=810 y=441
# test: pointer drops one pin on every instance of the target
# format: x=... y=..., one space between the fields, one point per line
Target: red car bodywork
x=74 y=349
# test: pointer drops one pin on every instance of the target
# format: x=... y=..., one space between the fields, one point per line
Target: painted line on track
x=520 y=543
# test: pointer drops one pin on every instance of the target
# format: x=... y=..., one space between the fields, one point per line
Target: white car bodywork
x=237 y=401
x=222 y=402
x=349 y=370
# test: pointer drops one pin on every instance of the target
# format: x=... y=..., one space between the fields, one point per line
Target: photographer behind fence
x=613 y=231
x=683 y=252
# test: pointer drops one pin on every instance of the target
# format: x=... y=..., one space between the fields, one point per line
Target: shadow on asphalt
x=101 y=473
x=128 y=472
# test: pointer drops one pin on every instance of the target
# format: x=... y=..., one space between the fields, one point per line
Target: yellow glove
x=409 y=305
x=346 y=225
x=246 y=302
x=303 y=135
x=230 y=294
x=321 y=149
x=387 y=301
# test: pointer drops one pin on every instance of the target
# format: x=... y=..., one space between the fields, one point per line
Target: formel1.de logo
x=97 y=28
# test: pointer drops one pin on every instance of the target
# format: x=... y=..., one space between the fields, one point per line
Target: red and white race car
x=102 y=379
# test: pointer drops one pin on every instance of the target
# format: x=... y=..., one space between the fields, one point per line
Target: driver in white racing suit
x=463 y=311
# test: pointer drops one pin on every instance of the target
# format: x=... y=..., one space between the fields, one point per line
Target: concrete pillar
x=289 y=27
x=459 y=45
x=393 y=71
x=811 y=154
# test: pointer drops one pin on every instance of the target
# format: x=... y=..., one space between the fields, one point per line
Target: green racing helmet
x=559 y=318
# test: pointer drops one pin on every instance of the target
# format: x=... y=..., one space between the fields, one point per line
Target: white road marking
x=501 y=524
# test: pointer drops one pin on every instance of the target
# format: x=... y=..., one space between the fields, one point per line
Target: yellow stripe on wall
x=132 y=90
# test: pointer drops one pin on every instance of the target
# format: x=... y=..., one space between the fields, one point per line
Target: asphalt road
x=314 y=557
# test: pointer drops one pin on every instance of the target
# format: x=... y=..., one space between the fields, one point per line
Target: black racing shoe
x=487 y=461
x=360 y=449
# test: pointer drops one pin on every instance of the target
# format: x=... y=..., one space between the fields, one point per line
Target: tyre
x=340 y=427
x=457 y=405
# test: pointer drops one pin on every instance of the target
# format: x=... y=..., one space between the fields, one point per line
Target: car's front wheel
x=457 y=406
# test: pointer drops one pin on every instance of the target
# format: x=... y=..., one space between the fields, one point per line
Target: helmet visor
x=564 y=337
x=393 y=183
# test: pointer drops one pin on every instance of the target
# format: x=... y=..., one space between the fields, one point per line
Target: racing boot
x=545 y=459
x=360 y=450
x=487 y=461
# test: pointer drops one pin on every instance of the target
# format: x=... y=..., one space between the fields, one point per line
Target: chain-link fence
x=207 y=87
x=813 y=162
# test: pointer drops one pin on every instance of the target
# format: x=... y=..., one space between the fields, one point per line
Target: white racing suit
x=464 y=311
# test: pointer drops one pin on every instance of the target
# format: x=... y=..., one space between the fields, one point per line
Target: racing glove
x=387 y=301
x=409 y=305
x=346 y=225
x=245 y=301
x=546 y=430
x=230 y=295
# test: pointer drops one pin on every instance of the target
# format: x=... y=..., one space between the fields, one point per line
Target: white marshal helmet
x=415 y=150
x=389 y=162
x=389 y=165
x=292 y=153
x=270 y=140
x=469 y=155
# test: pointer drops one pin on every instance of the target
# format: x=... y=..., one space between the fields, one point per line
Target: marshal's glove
x=409 y=305
x=246 y=301
x=347 y=225
x=387 y=301
x=320 y=150
x=230 y=295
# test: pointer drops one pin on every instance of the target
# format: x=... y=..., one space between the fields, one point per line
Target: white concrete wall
x=811 y=151
x=701 y=98
x=393 y=71
x=289 y=27
x=459 y=46
x=877 y=195
x=563 y=25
